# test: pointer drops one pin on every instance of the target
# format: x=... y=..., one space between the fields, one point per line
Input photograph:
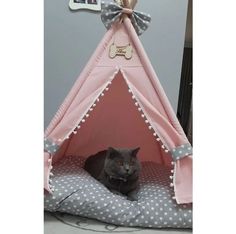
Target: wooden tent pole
x=129 y=3
x=132 y=3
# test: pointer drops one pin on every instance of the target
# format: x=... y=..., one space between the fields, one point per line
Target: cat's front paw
x=116 y=192
x=132 y=198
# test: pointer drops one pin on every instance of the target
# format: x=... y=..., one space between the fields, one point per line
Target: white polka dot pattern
x=181 y=151
x=76 y=192
x=50 y=146
x=112 y=12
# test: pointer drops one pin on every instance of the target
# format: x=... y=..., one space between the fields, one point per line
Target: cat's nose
x=127 y=168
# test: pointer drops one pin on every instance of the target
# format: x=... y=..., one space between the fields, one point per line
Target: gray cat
x=117 y=169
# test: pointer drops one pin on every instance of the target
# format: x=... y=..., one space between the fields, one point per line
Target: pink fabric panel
x=153 y=78
x=89 y=92
x=116 y=121
x=47 y=165
x=183 y=180
x=138 y=79
x=151 y=104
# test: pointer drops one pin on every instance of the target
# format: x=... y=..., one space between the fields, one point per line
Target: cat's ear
x=111 y=152
x=135 y=151
x=110 y=149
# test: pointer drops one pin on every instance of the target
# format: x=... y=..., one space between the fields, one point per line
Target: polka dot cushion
x=76 y=192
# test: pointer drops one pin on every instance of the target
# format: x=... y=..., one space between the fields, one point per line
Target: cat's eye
x=120 y=163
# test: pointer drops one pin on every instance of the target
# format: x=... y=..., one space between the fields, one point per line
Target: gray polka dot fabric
x=76 y=192
x=50 y=146
x=181 y=151
x=111 y=13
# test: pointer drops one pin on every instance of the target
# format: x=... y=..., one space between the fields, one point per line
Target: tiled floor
x=67 y=224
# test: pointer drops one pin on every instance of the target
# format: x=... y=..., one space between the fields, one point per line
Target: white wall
x=71 y=37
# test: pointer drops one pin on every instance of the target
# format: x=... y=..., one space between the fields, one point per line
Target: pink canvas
x=120 y=103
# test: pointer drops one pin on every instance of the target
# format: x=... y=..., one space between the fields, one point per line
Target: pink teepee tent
x=120 y=102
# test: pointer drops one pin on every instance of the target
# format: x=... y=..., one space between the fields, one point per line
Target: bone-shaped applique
x=125 y=51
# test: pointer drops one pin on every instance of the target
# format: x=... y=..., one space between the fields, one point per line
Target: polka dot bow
x=111 y=13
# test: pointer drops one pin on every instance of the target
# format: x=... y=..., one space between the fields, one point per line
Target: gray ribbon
x=111 y=13
x=181 y=151
x=50 y=146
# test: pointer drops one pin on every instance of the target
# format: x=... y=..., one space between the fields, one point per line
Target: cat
x=117 y=169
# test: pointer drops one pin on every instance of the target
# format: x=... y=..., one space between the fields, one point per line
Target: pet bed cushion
x=76 y=192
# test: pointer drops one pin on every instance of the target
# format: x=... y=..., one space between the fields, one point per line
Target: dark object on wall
x=184 y=112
